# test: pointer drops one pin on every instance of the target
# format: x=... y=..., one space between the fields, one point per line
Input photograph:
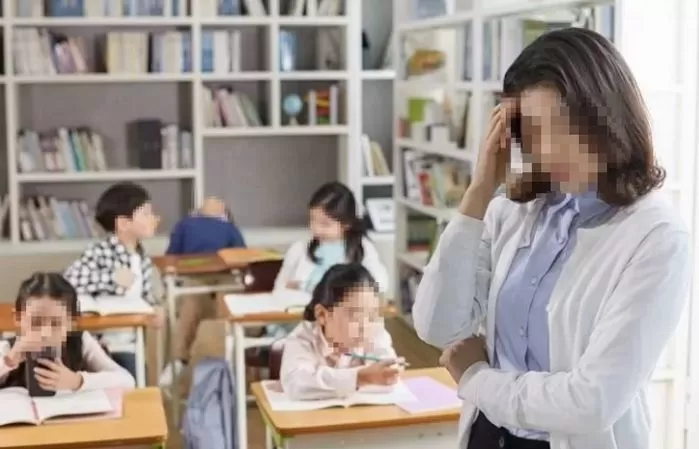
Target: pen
x=372 y=358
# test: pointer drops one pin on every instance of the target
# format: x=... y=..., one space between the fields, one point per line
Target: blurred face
x=142 y=223
x=559 y=148
x=325 y=228
x=46 y=319
x=350 y=323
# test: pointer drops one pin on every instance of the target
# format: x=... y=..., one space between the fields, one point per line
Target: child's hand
x=124 y=277
x=56 y=376
x=25 y=344
x=384 y=372
x=158 y=318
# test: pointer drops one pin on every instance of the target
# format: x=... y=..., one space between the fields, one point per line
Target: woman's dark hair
x=338 y=203
x=603 y=101
x=56 y=287
x=335 y=284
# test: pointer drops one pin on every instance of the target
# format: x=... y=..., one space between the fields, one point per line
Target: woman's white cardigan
x=617 y=302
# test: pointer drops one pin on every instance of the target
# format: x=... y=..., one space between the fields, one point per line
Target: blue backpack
x=209 y=421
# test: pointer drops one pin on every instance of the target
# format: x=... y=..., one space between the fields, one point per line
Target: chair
x=260 y=276
x=276 y=350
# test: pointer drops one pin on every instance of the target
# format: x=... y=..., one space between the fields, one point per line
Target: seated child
x=207 y=231
x=47 y=306
x=118 y=265
x=342 y=323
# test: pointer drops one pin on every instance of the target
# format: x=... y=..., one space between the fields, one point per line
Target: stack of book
x=61 y=150
x=220 y=51
x=323 y=106
x=103 y=8
x=47 y=218
x=225 y=107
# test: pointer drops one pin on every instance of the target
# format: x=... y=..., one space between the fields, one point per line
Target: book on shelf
x=374 y=161
x=434 y=181
x=43 y=218
x=4 y=216
x=409 y=281
x=279 y=401
x=113 y=305
x=154 y=145
x=60 y=150
x=213 y=8
x=105 y=8
x=221 y=51
x=323 y=106
x=437 y=121
x=20 y=408
x=227 y=108
x=298 y=8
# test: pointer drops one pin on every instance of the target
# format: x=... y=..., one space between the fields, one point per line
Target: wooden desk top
x=85 y=322
x=290 y=424
x=221 y=262
x=143 y=423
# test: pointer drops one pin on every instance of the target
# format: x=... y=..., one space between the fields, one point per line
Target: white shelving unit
x=348 y=134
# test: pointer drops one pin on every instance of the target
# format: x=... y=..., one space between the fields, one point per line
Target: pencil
x=372 y=358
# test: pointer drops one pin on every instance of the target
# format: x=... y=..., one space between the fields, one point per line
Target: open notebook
x=19 y=408
x=280 y=402
x=278 y=301
x=113 y=305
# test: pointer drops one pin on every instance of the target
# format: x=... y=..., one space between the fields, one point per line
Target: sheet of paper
x=122 y=305
x=277 y=301
x=16 y=407
x=87 y=304
x=280 y=402
x=430 y=395
x=116 y=399
x=378 y=396
x=73 y=404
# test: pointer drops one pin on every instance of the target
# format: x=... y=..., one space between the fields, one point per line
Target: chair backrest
x=261 y=276
x=276 y=351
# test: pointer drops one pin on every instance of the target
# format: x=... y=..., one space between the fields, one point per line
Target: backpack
x=209 y=420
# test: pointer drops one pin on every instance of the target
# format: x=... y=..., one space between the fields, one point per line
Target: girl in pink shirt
x=342 y=343
x=47 y=306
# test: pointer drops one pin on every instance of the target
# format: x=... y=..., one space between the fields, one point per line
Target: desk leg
x=269 y=441
x=241 y=393
x=140 y=357
x=171 y=304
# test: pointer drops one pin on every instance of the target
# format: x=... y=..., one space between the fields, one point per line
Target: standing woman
x=579 y=276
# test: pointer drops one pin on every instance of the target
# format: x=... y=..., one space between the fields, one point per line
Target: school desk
x=96 y=323
x=237 y=343
x=142 y=424
x=177 y=269
x=362 y=427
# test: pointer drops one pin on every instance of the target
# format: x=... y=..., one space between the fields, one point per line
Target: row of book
x=323 y=106
x=375 y=163
x=40 y=52
x=433 y=180
x=65 y=150
x=225 y=107
x=47 y=218
x=221 y=51
x=107 y=8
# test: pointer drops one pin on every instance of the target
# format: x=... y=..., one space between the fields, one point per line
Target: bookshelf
x=472 y=42
x=241 y=164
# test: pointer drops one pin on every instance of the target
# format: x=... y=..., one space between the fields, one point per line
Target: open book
x=281 y=300
x=19 y=408
x=280 y=402
x=113 y=305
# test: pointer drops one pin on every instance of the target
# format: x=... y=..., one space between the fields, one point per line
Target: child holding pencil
x=342 y=344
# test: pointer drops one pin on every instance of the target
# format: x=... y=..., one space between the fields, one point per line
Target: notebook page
x=122 y=305
x=16 y=407
x=73 y=404
x=277 y=301
x=280 y=402
x=399 y=394
x=431 y=396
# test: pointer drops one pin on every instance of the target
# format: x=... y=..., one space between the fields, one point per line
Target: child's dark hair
x=336 y=283
x=120 y=200
x=56 y=287
x=338 y=203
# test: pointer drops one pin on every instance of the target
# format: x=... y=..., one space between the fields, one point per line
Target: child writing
x=118 y=265
x=46 y=307
x=324 y=356
x=207 y=231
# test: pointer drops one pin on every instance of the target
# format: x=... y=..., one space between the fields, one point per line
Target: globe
x=292 y=106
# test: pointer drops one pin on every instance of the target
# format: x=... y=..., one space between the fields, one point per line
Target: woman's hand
x=460 y=357
x=491 y=168
x=384 y=372
x=54 y=376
